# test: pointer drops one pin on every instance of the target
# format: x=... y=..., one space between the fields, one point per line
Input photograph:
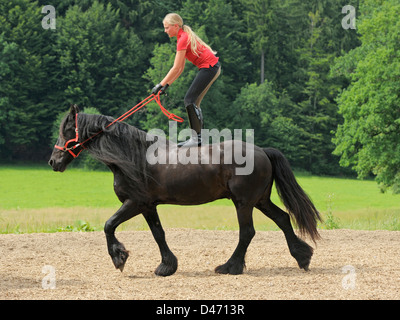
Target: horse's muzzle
x=57 y=166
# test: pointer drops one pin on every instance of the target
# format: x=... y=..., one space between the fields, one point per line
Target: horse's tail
x=293 y=196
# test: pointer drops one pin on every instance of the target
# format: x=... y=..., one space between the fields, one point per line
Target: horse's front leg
x=116 y=249
x=169 y=263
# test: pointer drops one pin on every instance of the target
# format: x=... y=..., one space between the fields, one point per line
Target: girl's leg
x=199 y=87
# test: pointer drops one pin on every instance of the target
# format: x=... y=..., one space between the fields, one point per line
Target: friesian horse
x=141 y=186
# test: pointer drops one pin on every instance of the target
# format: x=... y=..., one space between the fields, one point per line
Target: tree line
x=288 y=70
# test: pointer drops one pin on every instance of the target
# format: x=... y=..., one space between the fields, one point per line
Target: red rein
x=126 y=115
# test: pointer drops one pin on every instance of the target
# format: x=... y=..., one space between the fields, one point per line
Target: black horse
x=141 y=186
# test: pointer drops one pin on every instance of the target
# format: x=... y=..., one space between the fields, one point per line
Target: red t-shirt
x=205 y=59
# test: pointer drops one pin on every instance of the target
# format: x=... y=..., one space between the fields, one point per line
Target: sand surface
x=347 y=264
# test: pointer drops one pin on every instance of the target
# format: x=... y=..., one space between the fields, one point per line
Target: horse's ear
x=74 y=109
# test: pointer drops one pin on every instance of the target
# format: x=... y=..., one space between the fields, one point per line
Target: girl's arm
x=176 y=70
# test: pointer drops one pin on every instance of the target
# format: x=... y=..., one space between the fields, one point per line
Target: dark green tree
x=25 y=79
x=100 y=61
x=369 y=138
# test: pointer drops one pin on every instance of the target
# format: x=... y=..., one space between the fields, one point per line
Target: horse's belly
x=191 y=185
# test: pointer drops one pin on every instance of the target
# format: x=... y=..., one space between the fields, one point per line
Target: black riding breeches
x=201 y=83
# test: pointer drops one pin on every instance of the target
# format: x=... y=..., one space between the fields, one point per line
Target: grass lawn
x=36 y=199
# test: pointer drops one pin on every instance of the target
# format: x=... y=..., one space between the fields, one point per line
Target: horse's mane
x=120 y=146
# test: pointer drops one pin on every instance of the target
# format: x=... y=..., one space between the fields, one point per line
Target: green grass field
x=36 y=199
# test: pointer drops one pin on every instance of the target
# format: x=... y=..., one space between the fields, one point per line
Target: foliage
x=80 y=225
x=24 y=84
x=90 y=65
x=276 y=128
x=368 y=139
x=331 y=222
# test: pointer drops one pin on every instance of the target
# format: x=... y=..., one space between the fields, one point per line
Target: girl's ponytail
x=195 y=41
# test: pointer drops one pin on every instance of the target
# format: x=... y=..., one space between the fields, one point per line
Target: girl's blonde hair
x=193 y=38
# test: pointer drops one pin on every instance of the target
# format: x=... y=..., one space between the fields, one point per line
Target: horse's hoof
x=230 y=268
x=222 y=269
x=119 y=258
x=167 y=267
x=119 y=263
x=304 y=264
x=164 y=271
x=302 y=252
x=121 y=268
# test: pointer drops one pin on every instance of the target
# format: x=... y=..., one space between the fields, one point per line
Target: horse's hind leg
x=116 y=249
x=169 y=263
x=236 y=262
x=300 y=250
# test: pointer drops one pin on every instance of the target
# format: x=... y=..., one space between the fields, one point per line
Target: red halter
x=76 y=139
x=127 y=114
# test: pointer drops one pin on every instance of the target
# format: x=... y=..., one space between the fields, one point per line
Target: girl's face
x=171 y=29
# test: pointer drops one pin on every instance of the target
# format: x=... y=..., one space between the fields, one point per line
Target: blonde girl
x=189 y=46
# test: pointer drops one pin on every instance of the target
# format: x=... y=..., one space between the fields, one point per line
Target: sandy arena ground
x=347 y=264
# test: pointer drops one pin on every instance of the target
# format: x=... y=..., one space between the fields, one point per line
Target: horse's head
x=67 y=147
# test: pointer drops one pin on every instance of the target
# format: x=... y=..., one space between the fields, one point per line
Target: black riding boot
x=196 y=123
